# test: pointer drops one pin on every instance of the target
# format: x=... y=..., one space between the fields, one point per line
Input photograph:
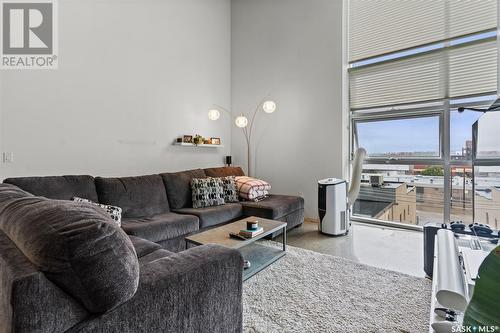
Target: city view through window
x=414 y=193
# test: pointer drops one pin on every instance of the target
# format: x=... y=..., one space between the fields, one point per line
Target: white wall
x=133 y=75
x=291 y=49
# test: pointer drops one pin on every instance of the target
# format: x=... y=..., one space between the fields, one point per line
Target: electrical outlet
x=8 y=157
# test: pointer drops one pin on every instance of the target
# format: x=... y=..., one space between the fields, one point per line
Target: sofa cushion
x=161 y=227
x=9 y=192
x=224 y=172
x=29 y=302
x=143 y=247
x=229 y=186
x=79 y=248
x=153 y=256
x=210 y=216
x=57 y=187
x=137 y=196
x=273 y=207
x=178 y=185
x=207 y=192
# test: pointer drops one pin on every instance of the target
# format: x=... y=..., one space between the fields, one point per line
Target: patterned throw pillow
x=251 y=188
x=113 y=211
x=230 y=193
x=207 y=192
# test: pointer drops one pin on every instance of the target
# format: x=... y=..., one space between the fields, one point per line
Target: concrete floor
x=391 y=248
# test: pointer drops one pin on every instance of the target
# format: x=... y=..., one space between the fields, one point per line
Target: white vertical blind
x=382 y=26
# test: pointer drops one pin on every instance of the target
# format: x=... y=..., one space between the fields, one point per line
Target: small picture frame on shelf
x=215 y=141
x=187 y=139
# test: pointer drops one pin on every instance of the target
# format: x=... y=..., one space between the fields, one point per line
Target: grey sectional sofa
x=66 y=267
x=159 y=207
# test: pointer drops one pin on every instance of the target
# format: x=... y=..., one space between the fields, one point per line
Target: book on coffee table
x=251 y=233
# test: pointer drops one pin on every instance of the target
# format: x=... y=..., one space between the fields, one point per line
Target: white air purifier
x=333 y=207
x=335 y=201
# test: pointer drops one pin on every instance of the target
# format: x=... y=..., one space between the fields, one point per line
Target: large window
x=409 y=72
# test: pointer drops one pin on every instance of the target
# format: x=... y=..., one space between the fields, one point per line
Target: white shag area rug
x=306 y=291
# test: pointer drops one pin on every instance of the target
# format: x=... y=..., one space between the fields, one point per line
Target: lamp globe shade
x=213 y=114
x=241 y=121
x=269 y=106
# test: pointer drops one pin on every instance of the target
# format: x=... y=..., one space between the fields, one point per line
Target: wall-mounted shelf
x=185 y=144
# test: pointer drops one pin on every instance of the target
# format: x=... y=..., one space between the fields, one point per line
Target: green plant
x=484 y=307
x=433 y=171
x=198 y=140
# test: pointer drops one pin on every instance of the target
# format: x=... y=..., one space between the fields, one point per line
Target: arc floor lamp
x=242 y=122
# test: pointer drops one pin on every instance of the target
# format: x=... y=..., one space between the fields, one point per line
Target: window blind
x=383 y=26
x=464 y=70
x=404 y=81
x=473 y=69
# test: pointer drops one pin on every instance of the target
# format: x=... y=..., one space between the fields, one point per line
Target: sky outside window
x=410 y=137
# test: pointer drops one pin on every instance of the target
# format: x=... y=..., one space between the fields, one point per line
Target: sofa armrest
x=198 y=290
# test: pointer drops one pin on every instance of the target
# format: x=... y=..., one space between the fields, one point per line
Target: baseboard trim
x=374 y=222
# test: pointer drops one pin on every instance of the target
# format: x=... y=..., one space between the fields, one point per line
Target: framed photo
x=215 y=141
x=187 y=139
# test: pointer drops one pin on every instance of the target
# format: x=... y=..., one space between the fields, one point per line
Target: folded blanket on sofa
x=251 y=188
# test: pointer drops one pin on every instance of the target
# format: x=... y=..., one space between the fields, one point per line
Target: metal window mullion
x=419 y=107
x=445 y=128
x=446 y=159
x=374 y=117
x=354 y=139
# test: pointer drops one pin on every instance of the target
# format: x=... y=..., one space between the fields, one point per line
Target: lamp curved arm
x=245 y=131
x=248 y=129
x=257 y=109
x=225 y=110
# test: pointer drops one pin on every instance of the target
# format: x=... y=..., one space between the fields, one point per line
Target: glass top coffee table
x=260 y=256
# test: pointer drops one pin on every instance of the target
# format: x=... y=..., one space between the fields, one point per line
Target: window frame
x=431 y=160
x=443 y=110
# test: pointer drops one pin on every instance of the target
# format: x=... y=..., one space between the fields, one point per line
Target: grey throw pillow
x=229 y=186
x=114 y=212
x=207 y=192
